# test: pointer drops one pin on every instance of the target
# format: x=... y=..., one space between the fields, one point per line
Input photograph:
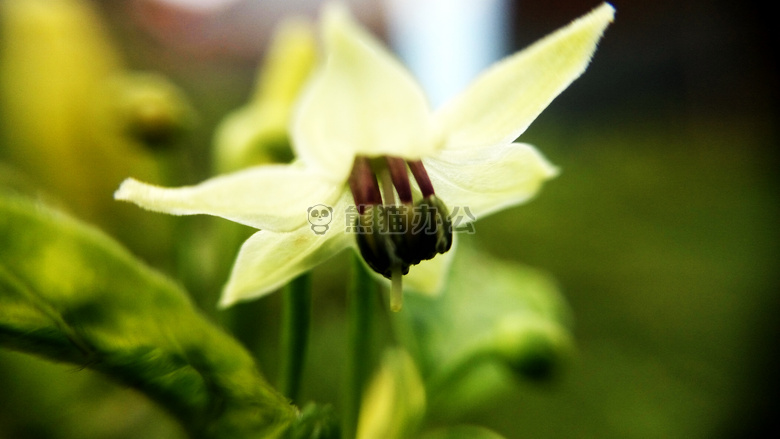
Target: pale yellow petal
x=475 y=183
x=499 y=105
x=273 y=197
x=361 y=101
x=267 y=260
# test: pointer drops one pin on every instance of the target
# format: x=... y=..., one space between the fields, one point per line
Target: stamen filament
x=400 y=176
x=421 y=177
x=363 y=185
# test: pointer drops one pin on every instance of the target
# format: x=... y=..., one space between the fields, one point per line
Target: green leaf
x=492 y=313
x=70 y=293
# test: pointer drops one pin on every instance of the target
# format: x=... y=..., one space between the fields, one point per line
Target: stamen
x=396 y=289
x=363 y=184
x=392 y=236
x=421 y=177
x=400 y=176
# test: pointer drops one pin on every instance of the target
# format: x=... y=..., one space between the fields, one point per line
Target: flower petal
x=273 y=197
x=500 y=104
x=478 y=183
x=269 y=260
x=362 y=101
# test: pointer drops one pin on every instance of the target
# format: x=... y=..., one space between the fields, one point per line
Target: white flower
x=362 y=108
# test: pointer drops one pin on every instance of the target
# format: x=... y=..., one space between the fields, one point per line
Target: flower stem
x=360 y=309
x=295 y=334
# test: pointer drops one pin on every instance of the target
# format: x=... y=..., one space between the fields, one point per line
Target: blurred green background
x=661 y=230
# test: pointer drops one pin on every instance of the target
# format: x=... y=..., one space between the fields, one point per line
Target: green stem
x=360 y=308
x=295 y=334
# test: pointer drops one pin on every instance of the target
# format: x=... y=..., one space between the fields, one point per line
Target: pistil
x=396 y=290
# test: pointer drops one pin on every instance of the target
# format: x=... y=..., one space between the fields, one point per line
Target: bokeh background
x=661 y=230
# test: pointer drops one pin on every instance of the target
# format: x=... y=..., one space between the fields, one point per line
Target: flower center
x=396 y=233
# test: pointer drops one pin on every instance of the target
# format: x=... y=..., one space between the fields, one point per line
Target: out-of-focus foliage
x=394 y=402
x=257 y=133
x=75 y=121
x=462 y=432
x=491 y=312
x=662 y=243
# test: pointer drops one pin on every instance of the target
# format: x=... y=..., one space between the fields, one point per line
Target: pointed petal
x=475 y=183
x=362 y=101
x=274 y=197
x=504 y=100
x=268 y=260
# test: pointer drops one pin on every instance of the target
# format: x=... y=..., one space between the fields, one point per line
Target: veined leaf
x=70 y=293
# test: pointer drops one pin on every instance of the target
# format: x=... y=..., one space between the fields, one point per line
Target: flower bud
x=533 y=347
x=151 y=109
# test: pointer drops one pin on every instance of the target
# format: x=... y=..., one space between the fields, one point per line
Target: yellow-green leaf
x=70 y=293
